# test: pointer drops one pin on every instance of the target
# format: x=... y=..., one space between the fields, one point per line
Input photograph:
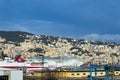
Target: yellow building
x=72 y=74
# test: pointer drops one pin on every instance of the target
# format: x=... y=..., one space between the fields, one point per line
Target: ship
x=23 y=64
x=19 y=63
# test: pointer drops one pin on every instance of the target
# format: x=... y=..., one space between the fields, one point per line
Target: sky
x=89 y=19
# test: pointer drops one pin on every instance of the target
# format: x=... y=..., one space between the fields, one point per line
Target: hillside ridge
x=28 y=45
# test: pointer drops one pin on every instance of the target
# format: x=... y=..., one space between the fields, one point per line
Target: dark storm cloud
x=63 y=17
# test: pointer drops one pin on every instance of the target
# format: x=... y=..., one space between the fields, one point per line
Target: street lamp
x=112 y=69
x=42 y=58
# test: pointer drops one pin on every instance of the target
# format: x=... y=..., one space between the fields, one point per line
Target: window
x=101 y=73
x=4 y=77
x=78 y=74
x=72 y=74
x=84 y=74
x=116 y=72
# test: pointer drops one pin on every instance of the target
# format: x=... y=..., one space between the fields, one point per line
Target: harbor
x=92 y=73
x=59 y=39
x=98 y=73
x=61 y=68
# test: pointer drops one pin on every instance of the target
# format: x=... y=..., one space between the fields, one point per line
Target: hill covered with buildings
x=29 y=45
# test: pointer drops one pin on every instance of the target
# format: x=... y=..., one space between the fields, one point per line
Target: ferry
x=23 y=64
x=18 y=63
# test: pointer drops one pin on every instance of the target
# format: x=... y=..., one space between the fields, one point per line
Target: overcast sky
x=90 y=19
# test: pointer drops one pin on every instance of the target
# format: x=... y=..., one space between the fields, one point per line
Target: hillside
x=13 y=43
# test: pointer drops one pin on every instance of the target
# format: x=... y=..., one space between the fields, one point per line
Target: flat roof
x=8 y=69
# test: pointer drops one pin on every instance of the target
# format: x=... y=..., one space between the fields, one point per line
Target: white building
x=12 y=74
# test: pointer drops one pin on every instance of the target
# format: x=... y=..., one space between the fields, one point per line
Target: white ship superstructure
x=36 y=65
